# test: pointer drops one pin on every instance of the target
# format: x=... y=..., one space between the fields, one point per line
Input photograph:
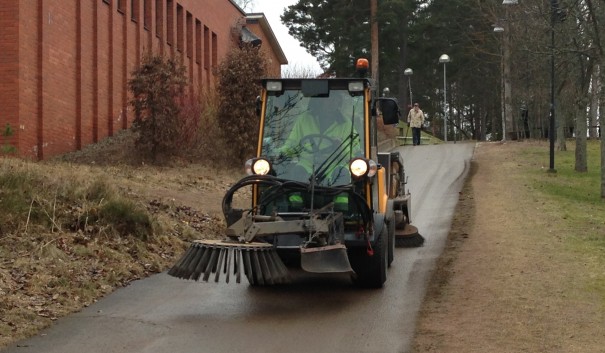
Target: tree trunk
x=594 y=104
x=580 y=131
x=403 y=82
x=509 y=134
x=601 y=119
x=560 y=128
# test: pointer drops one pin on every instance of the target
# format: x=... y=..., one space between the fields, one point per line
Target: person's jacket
x=415 y=118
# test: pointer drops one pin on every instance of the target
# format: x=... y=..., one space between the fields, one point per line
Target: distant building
x=65 y=64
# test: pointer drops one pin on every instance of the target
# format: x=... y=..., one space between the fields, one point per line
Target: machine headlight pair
x=361 y=167
x=258 y=166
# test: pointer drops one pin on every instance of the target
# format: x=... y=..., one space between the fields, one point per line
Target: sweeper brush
x=207 y=259
x=408 y=237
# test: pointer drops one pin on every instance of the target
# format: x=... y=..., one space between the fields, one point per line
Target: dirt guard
x=323 y=198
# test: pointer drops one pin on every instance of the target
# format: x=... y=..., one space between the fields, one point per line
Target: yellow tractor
x=323 y=198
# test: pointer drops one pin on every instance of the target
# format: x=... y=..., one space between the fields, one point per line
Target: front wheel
x=371 y=271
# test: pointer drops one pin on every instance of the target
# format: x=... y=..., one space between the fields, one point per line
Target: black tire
x=391 y=252
x=371 y=271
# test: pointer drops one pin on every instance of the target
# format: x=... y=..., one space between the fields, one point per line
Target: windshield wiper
x=339 y=154
x=335 y=158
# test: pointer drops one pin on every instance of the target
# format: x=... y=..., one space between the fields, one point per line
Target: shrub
x=98 y=191
x=237 y=89
x=157 y=86
x=127 y=218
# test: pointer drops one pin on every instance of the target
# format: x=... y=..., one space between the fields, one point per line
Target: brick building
x=65 y=64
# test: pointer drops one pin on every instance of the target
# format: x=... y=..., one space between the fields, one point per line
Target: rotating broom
x=242 y=251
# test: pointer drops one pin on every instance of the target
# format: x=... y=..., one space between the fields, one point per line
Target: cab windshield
x=313 y=136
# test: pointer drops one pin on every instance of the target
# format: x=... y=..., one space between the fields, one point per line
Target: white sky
x=298 y=58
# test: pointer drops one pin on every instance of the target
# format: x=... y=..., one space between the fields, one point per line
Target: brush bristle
x=260 y=264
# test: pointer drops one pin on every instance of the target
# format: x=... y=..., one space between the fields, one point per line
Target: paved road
x=314 y=314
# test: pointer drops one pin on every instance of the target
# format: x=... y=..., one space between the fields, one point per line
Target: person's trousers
x=416 y=136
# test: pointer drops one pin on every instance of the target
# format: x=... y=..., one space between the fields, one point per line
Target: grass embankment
x=571 y=203
x=70 y=234
x=524 y=267
x=402 y=135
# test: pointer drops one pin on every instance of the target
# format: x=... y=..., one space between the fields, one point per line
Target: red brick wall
x=29 y=112
x=65 y=64
x=9 y=54
x=86 y=80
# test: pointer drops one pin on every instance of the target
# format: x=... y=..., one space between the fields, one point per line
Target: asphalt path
x=313 y=314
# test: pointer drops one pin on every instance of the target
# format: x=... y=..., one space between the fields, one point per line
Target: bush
x=238 y=87
x=127 y=218
x=157 y=88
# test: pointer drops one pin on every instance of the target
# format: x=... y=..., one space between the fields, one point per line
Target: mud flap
x=325 y=259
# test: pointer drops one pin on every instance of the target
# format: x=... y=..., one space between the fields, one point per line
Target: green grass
x=572 y=201
x=578 y=194
x=127 y=218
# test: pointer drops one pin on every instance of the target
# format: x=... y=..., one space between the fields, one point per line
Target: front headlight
x=258 y=166
x=274 y=86
x=360 y=167
x=356 y=86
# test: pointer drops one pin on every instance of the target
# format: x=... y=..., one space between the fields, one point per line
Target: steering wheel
x=313 y=143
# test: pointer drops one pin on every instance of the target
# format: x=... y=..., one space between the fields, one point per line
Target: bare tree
x=246 y=5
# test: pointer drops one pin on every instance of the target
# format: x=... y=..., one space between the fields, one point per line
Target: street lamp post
x=551 y=130
x=500 y=29
x=409 y=72
x=444 y=59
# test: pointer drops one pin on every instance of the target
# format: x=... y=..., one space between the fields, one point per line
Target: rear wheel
x=371 y=271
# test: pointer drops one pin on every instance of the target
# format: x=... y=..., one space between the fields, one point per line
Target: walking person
x=415 y=120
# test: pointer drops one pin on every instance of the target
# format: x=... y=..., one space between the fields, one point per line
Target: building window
x=206 y=48
x=122 y=6
x=169 y=22
x=189 y=34
x=179 y=28
x=134 y=10
x=198 y=41
x=214 y=50
x=159 y=18
x=147 y=14
x=108 y=2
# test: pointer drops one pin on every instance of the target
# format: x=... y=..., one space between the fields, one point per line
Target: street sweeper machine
x=324 y=199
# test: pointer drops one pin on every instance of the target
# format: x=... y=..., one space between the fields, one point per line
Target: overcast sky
x=297 y=55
